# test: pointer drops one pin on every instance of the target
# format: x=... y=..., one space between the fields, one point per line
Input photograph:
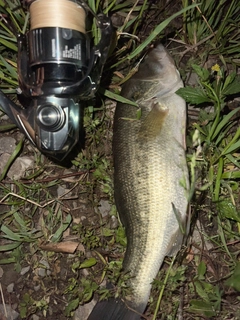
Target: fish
x=151 y=181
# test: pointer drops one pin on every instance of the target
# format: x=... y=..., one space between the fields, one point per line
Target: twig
x=180 y=308
x=3 y=301
x=33 y=202
x=59 y=177
x=192 y=46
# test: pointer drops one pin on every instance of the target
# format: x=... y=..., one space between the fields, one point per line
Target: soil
x=42 y=277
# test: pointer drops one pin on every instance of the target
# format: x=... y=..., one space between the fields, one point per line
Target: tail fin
x=112 y=310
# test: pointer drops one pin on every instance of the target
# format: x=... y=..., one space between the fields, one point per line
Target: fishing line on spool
x=45 y=13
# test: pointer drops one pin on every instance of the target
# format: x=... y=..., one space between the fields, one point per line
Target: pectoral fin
x=154 y=121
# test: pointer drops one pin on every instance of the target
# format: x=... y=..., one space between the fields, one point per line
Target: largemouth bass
x=151 y=177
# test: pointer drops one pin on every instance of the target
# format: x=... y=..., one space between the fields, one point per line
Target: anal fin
x=177 y=237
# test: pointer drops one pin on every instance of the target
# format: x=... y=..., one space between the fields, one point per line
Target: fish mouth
x=161 y=53
x=159 y=70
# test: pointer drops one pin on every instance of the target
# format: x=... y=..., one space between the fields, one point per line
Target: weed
x=213 y=24
x=218 y=133
x=216 y=170
x=209 y=303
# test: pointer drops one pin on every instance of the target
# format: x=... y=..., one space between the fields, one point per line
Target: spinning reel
x=57 y=68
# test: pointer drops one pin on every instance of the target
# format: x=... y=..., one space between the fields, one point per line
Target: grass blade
x=224 y=121
x=11 y=159
x=157 y=31
x=10 y=69
x=117 y=97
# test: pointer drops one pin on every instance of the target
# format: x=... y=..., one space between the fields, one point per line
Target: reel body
x=57 y=67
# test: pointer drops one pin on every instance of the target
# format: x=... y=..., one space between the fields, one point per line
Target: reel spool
x=45 y=13
x=57 y=46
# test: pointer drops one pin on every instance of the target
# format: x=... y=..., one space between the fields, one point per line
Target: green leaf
x=139 y=113
x=9 y=44
x=9 y=91
x=202 y=307
x=232 y=88
x=72 y=306
x=9 y=247
x=229 y=79
x=11 y=159
x=121 y=237
x=234 y=160
x=8 y=260
x=193 y=95
x=201 y=72
x=228 y=210
x=23 y=311
x=117 y=97
x=20 y=221
x=201 y=290
x=224 y=122
x=106 y=232
x=58 y=234
x=7 y=127
x=234 y=280
x=88 y=263
x=223 y=134
x=233 y=145
x=233 y=174
x=11 y=235
x=157 y=31
x=11 y=70
x=26 y=298
x=9 y=81
x=201 y=270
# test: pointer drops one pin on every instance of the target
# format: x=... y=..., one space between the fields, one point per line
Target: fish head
x=159 y=68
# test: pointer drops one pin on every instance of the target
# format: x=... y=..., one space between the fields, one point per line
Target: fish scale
x=150 y=176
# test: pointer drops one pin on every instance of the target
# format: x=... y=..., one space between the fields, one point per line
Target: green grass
x=202 y=282
x=215 y=25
